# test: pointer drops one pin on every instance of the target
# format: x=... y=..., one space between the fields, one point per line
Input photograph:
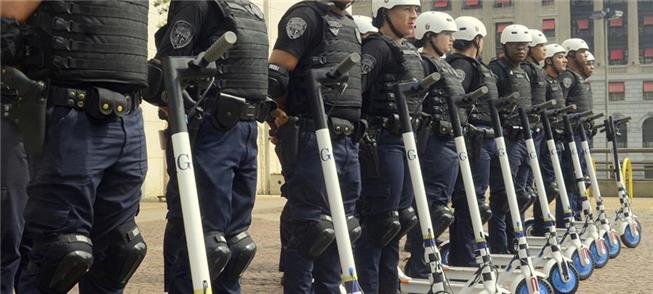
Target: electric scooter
x=626 y=222
x=318 y=78
x=176 y=71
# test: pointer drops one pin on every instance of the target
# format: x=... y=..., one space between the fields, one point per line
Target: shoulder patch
x=181 y=35
x=566 y=82
x=296 y=27
x=460 y=73
x=367 y=63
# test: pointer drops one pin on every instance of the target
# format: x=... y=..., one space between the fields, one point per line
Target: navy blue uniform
x=318 y=37
x=224 y=156
x=15 y=176
x=483 y=149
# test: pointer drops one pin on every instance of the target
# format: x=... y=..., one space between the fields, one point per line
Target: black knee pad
x=408 y=220
x=382 y=227
x=243 y=250
x=441 y=218
x=525 y=198
x=485 y=210
x=313 y=237
x=217 y=252
x=354 y=227
x=126 y=252
x=66 y=260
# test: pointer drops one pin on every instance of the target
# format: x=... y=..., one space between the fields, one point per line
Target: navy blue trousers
x=461 y=233
x=575 y=200
x=500 y=224
x=548 y=176
x=307 y=199
x=14 y=179
x=89 y=182
x=392 y=190
x=439 y=165
x=225 y=173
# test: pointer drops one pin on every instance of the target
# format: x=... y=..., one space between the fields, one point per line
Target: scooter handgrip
x=428 y=81
x=476 y=94
x=571 y=107
x=220 y=46
x=594 y=117
x=544 y=105
x=510 y=99
x=344 y=66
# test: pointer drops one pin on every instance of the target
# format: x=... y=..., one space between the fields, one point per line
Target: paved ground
x=628 y=273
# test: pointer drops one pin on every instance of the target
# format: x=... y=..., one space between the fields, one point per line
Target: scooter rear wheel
x=560 y=286
x=545 y=287
x=630 y=239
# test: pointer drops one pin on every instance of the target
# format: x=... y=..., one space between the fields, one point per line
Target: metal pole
x=605 y=72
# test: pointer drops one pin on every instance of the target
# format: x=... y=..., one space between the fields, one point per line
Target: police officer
x=386 y=198
x=532 y=67
x=555 y=62
x=224 y=138
x=468 y=47
x=86 y=193
x=314 y=34
x=578 y=92
x=511 y=78
x=364 y=25
x=438 y=157
x=589 y=66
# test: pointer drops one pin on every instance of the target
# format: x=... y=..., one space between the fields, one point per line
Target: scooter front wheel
x=543 y=285
x=560 y=286
x=614 y=244
x=599 y=251
x=632 y=235
x=585 y=270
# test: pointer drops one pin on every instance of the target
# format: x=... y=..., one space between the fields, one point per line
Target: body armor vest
x=243 y=70
x=554 y=91
x=449 y=85
x=538 y=84
x=579 y=93
x=518 y=81
x=405 y=66
x=339 y=38
x=91 y=41
x=484 y=77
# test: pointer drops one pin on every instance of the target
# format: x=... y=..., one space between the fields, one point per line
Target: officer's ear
x=548 y=61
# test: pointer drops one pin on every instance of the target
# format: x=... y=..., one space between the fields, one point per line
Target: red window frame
x=616 y=87
x=548 y=24
x=583 y=24
x=617 y=54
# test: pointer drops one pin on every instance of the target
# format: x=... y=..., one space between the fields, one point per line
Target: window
x=549 y=27
x=547 y=2
x=647 y=133
x=622 y=137
x=500 y=26
x=502 y=3
x=471 y=4
x=618 y=34
x=616 y=23
x=647 y=91
x=617 y=91
x=441 y=4
x=581 y=26
x=645 y=11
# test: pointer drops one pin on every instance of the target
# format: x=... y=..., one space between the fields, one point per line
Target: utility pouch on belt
x=227 y=111
x=423 y=134
x=288 y=147
x=368 y=154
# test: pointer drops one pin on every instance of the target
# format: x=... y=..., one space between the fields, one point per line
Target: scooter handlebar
x=476 y=94
x=344 y=66
x=428 y=81
x=510 y=99
x=554 y=112
x=217 y=49
x=542 y=106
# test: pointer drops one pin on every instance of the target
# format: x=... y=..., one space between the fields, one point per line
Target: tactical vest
x=91 y=41
x=518 y=81
x=243 y=70
x=406 y=65
x=339 y=38
x=538 y=85
x=485 y=77
x=579 y=94
x=449 y=85
x=554 y=91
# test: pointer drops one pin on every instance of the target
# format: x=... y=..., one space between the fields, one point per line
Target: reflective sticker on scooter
x=602 y=246
x=633 y=227
x=586 y=256
x=535 y=285
x=613 y=235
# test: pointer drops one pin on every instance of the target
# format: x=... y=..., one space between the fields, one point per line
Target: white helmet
x=553 y=49
x=468 y=28
x=538 y=38
x=434 y=21
x=590 y=57
x=516 y=33
x=575 y=44
x=364 y=24
x=389 y=4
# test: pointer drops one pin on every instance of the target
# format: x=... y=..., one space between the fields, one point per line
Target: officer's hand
x=279 y=118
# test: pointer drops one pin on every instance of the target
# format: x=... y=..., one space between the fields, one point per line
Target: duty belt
x=337 y=126
x=107 y=101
